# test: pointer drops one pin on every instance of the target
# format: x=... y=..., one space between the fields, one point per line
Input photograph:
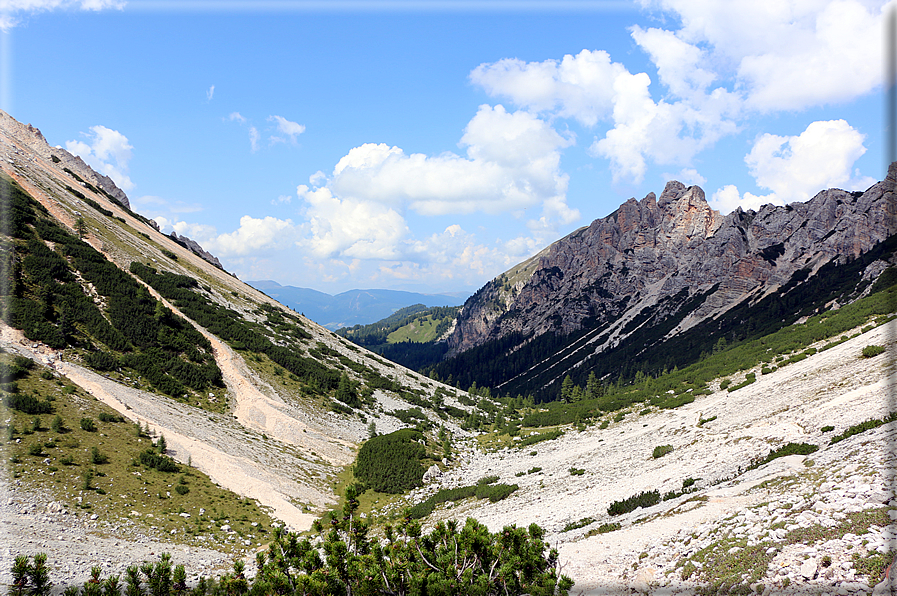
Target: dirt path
x=237 y=458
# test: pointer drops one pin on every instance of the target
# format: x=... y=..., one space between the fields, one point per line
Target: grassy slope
x=127 y=487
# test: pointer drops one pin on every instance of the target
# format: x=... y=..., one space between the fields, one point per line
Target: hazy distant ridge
x=353 y=307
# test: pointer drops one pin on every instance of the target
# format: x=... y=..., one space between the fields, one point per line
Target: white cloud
x=678 y=63
x=590 y=88
x=795 y=168
x=785 y=55
x=237 y=116
x=727 y=199
x=108 y=152
x=513 y=162
x=577 y=87
x=724 y=61
x=689 y=176
x=284 y=126
x=350 y=227
x=210 y=93
x=665 y=133
x=254 y=138
x=253 y=236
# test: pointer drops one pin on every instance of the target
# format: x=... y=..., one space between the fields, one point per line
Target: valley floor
x=799 y=522
x=816 y=523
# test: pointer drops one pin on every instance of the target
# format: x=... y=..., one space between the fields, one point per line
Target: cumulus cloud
x=679 y=64
x=350 y=227
x=513 y=162
x=727 y=199
x=795 y=168
x=782 y=55
x=590 y=88
x=662 y=132
x=106 y=151
x=577 y=86
x=253 y=236
x=724 y=61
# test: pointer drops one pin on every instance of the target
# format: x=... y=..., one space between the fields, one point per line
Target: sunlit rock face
x=651 y=249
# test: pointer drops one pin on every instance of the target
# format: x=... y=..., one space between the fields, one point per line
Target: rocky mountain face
x=24 y=139
x=669 y=258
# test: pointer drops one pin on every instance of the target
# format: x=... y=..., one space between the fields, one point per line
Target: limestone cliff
x=620 y=272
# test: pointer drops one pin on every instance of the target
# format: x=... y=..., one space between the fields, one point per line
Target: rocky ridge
x=24 y=136
x=659 y=252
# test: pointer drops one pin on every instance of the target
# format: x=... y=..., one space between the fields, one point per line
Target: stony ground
x=659 y=549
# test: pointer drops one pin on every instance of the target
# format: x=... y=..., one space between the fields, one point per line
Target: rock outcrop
x=651 y=250
x=196 y=248
x=30 y=138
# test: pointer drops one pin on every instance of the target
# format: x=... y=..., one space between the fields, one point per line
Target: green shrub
x=578 y=524
x=661 y=450
x=87 y=424
x=495 y=492
x=56 y=425
x=98 y=458
x=749 y=378
x=872 y=351
x=538 y=438
x=100 y=360
x=391 y=463
x=611 y=527
x=783 y=451
x=827 y=428
x=864 y=426
x=182 y=489
x=576 y=471
x=643 y=499
x=107 y=417
x=487 y=480
x=28 y=404
x=163 y=463
x=36 y=449
x=724 y=384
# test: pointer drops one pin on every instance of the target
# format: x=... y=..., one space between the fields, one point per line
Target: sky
x=430 y=145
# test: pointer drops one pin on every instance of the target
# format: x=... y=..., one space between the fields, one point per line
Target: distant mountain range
x=353 y=307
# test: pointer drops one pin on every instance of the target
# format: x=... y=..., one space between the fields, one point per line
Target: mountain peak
x=670 y=263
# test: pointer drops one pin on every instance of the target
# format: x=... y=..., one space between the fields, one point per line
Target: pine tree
x=567 y=390
x=592 y=386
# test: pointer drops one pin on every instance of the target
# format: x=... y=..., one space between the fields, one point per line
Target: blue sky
x=430 y=146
